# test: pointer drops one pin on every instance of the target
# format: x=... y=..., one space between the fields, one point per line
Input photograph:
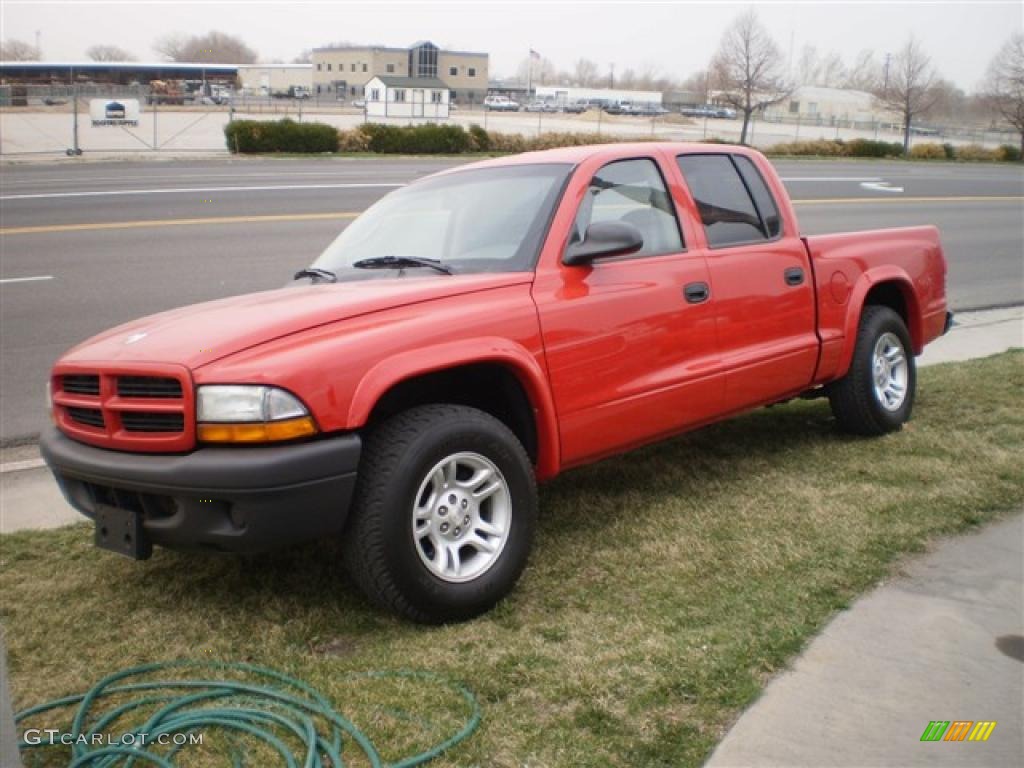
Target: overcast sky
x=676 y=38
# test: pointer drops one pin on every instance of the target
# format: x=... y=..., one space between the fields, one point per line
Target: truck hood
x=202 y=333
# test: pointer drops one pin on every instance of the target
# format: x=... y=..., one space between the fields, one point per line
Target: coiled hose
x=264 y=705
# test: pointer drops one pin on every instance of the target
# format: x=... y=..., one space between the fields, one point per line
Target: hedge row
x=286 y=135
x=429 y=139
x=924 y=151
x=450 y=139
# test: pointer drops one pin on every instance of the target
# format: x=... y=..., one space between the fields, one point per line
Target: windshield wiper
x=401 y=262
x=316 y=274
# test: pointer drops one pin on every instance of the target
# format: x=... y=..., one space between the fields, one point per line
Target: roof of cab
x=606 y=152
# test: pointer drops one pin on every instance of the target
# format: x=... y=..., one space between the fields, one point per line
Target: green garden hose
x=265 y=705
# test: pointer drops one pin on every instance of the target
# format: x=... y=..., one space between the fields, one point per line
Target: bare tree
x=211 y=48
x=747 y=68
x=865 y=74
x=540 y=71
x=833 y=72
x=585 y=73
x=1004 y=84
x=108 y=53
x=910 y=90
x=18 y=50
x=809 y=66
x=305 y=56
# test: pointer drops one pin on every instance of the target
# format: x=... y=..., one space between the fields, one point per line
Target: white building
x=269 y=79
x=406 y=97
x=564 y=94
x=827 y=105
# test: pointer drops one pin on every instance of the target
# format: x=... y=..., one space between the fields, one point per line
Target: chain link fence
x=73 y=119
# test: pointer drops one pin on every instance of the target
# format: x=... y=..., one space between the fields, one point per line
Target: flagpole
x=529 y=73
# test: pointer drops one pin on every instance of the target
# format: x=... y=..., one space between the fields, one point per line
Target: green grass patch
x=666 y=586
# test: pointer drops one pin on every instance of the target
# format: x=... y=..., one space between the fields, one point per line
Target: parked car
x=475 y=332
x=709 y=110
x=541 y=106
x=501 y=104
x=575 y=107
x=359 y=103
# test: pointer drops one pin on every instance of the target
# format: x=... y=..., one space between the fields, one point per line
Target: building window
x=399 y=94
x=794 y=107
x=453 y=71
x=364 y=67
x=472 y=71
x=353 y=91
x=352 y=66
x=375 y=94
x=391 y=67
x=328 y=66
x=318 y=89
x=435 y=97
x=318 y=66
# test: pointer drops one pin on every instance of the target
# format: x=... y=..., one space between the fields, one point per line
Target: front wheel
x=444 y=514
x=877 y=394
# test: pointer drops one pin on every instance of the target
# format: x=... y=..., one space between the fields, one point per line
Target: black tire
x=380 y=550
x=855 y=404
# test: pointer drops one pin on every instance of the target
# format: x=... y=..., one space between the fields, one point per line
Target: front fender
x=438 y=357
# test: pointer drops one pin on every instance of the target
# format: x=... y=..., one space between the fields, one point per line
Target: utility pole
x=885 y=86
x=611 y=76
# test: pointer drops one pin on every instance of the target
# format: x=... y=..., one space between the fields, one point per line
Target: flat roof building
x=115 y=72
x=345 y=71
x=275 y=79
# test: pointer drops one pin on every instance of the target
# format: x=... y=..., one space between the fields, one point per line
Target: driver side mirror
x=602 y=240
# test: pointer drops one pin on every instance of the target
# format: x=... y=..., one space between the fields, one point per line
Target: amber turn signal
x=263 y=432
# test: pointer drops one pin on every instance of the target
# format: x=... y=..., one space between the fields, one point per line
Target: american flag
x=534 y=54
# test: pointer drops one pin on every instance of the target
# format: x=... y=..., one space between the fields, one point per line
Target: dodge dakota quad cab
x=470 y=334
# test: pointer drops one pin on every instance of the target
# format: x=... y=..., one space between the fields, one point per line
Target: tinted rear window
x=725 y=206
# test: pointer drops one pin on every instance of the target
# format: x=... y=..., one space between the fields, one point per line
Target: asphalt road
x=118 y=240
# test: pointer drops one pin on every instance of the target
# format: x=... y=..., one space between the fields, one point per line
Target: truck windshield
x=481 y=220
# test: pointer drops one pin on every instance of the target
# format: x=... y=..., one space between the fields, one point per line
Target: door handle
x=794 y=276
x=696 y=293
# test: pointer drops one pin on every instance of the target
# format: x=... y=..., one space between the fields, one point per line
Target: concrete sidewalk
x=945 y=641
x=30 y=499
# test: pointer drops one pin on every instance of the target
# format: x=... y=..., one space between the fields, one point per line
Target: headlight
x=229 y=413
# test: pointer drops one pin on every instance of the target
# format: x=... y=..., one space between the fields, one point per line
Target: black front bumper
x=234 y=499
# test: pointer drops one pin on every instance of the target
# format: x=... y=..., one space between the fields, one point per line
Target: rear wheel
x=444 y=514
x=877 y=394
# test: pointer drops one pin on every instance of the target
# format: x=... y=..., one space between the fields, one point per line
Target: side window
x=723 y=202
x=763 y=199
x=634 y=192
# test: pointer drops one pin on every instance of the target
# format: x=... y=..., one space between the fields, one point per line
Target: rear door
x=630 y=357
x=761 y=281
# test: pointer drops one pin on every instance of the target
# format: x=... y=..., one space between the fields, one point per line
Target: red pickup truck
x=470 y=334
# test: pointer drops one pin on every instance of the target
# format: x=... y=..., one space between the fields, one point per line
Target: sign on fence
x=114 y=111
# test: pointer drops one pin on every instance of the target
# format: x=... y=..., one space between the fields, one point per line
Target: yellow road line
x=177 y=222
x=92 y=227
x=900 y=199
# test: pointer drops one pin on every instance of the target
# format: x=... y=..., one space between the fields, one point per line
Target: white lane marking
x=25 y=279
x=830 y=178
x=236 y=176
x=194 y=190
x=880 y=186
x=20 y=466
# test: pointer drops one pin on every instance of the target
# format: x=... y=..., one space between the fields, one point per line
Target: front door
x=417 y=102
x=630 y=357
